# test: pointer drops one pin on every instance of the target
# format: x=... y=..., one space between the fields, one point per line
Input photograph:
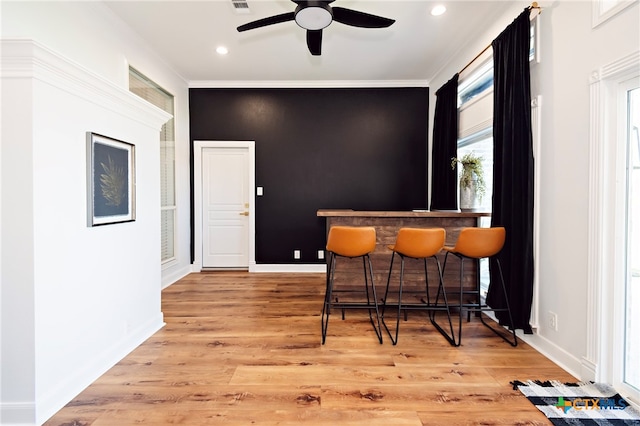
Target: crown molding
x=271 y=84
x=29 y=59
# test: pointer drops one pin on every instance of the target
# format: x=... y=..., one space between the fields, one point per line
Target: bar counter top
x=405 y=213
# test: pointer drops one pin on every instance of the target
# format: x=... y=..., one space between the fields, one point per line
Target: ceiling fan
x=313 y=16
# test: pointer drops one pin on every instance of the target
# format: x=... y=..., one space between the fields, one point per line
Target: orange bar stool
x=476 y=244
x=351 y=242
x=420 y=244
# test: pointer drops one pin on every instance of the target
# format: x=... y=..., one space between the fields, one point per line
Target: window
x=481 y=80
x=476 y=84
x=475 y=118
x=156 y=95
x=481 y=143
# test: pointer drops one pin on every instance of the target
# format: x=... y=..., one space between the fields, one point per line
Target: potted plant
x=472 y=184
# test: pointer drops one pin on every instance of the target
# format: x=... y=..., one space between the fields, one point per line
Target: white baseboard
x=550 y=350
x=316 y=268
x=559 y=356
x=588 y=370
x=17 y=413
x=174 y=276
x=307 y=268
x=51 y=402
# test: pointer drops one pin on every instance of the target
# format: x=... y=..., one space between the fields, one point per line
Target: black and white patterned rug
x=584 y=403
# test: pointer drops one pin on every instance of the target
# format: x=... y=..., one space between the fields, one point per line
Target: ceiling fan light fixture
x=313 y=17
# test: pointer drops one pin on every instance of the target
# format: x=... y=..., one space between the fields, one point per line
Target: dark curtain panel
x=512 y=204
x=444 y=192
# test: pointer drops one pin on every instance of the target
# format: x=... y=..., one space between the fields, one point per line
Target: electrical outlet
x=320 y=254
x=553 y=321
x=296 y=254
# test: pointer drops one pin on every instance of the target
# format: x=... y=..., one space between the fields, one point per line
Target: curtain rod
x=534 y=5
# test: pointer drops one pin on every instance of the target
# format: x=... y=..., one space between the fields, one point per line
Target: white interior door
x=225 y=207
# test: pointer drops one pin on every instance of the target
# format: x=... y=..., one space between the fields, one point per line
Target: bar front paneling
x=387 y=223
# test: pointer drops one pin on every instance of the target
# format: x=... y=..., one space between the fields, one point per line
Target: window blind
x=156 y=95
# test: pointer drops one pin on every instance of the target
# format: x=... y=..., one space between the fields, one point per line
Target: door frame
x=198 y=147
x=604 y=245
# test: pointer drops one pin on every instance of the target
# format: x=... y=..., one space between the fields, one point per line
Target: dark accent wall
x=342 y=148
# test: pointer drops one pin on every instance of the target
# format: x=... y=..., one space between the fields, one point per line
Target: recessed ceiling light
x=438 y=10
x=222 y=50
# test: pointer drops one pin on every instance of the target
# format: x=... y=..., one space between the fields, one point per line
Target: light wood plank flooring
x=242 y=349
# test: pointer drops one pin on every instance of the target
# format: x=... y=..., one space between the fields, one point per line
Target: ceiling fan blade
x=360 y=19
x=314 y=41
x=276 y=19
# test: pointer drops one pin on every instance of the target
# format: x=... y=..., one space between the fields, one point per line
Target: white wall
x=91 y=35
x=76 y=299
x=575 y=53
x=571 y=50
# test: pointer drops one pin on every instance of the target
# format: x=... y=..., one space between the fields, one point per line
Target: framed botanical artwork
x=111 y=180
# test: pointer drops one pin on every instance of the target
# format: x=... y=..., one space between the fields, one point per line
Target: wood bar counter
x=387 y=224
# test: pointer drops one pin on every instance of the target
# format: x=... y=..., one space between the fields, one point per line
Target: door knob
x=244 y=214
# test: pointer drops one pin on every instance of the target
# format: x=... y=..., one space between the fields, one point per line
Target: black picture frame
x=111 y=183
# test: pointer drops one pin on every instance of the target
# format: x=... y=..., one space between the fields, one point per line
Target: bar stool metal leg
x=394 y=340
x=377 y=328
x=351 y=242
x=508 y=309
x=418 y=244
x=477 y=305
x=450 y=336
x=326 y=307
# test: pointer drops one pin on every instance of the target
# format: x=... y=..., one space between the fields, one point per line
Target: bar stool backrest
x=351 y=241
x=419 y=242
x=480 y=242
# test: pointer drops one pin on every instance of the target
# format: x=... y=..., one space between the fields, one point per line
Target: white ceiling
x=414 y=48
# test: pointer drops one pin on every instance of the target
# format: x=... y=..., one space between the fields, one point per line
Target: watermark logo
x=566 y=404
